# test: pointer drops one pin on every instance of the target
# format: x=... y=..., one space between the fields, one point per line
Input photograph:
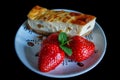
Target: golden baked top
x=40 y=13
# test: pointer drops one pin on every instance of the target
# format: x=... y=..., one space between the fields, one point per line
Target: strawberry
x=82 y=49
x=53 y=38
x=50 y=56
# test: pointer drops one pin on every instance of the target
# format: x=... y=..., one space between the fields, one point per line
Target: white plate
x=27 y=45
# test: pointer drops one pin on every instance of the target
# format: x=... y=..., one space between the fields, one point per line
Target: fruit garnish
x=82 y=48
x=63 y=40
x=56 y=45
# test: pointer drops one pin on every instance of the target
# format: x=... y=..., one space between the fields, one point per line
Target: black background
x=14 y=14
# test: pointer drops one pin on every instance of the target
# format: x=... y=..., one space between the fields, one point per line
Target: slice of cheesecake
x=45 y=21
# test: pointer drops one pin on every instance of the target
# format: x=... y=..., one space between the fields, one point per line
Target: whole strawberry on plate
x=82 y=48
x=50 y=55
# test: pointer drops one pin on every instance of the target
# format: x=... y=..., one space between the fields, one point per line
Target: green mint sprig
x=62 y=38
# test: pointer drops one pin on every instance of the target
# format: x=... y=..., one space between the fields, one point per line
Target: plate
x=27 y=44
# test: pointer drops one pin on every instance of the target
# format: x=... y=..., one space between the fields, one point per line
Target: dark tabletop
x=11 y=65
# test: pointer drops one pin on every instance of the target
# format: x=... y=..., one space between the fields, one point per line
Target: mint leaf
x=62 y=37
x=67 y=50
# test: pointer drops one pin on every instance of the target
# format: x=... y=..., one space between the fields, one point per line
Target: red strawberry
x=53 y=38
x=50 y=57
x=82 y=49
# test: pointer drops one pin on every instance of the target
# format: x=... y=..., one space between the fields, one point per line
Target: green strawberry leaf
x=62 y=37
x=67 y=50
